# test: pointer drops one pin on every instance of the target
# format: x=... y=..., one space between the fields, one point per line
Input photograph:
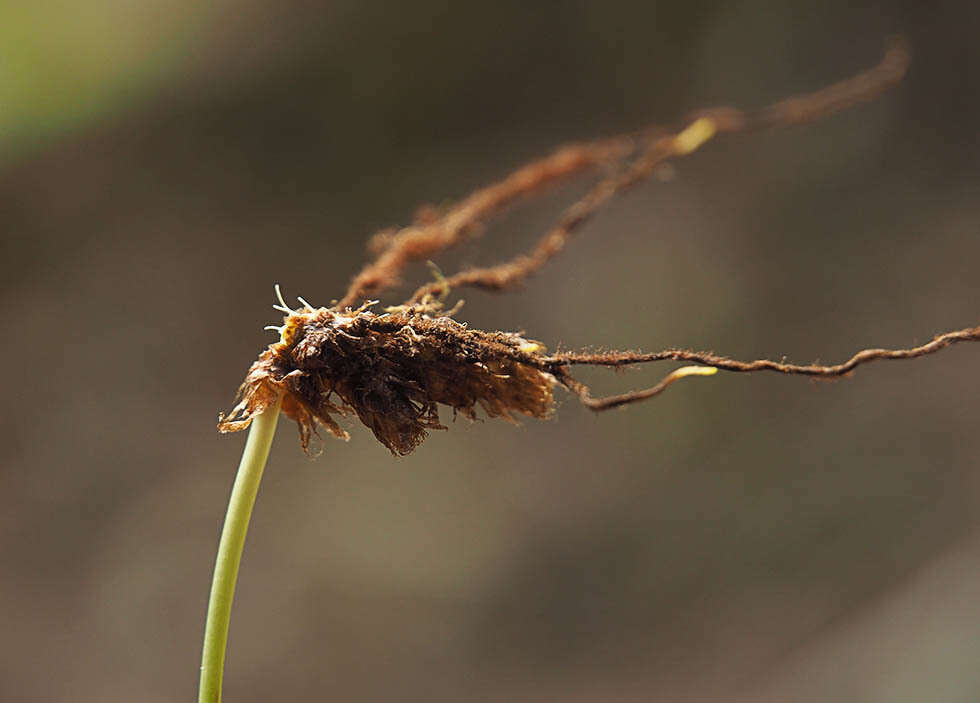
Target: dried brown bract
x=394 y=369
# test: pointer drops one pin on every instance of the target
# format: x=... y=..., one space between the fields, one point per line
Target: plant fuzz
x=394 y=369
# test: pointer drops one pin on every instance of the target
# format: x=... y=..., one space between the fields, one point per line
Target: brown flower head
x=392 y=370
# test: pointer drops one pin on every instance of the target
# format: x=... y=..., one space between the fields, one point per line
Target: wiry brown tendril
x=438 y=232
x=637 y=157
x=707 y=359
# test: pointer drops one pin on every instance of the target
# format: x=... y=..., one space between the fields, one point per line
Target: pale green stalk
x=230 y=551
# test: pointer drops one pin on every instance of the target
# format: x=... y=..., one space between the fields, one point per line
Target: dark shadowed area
x=740 y=538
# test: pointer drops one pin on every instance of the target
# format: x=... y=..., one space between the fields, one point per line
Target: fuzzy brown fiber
x=392 y=371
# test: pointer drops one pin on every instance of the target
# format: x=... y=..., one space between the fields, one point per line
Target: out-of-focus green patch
x=63 y=64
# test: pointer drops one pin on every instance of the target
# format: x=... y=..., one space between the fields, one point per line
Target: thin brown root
x=434 y=233
x=839 y=96
x=510 y=273
x=613 y=401
x=558 y=362
x=658 y=149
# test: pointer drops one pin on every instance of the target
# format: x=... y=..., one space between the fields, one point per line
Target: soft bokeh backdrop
x=739 y=538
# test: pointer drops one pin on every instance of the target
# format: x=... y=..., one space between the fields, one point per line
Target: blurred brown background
x=740 y=538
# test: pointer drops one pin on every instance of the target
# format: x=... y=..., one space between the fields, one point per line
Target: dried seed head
x=393 y=371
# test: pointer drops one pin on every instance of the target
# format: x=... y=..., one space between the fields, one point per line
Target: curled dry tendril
x=393 y=369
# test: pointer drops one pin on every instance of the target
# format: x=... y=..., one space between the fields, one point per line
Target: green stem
x=230 y=551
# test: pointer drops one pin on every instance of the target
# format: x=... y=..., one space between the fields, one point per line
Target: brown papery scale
x=392 y=370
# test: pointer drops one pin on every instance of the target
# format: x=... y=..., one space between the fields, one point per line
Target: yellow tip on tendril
x=685 y=371
x=694 y=135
